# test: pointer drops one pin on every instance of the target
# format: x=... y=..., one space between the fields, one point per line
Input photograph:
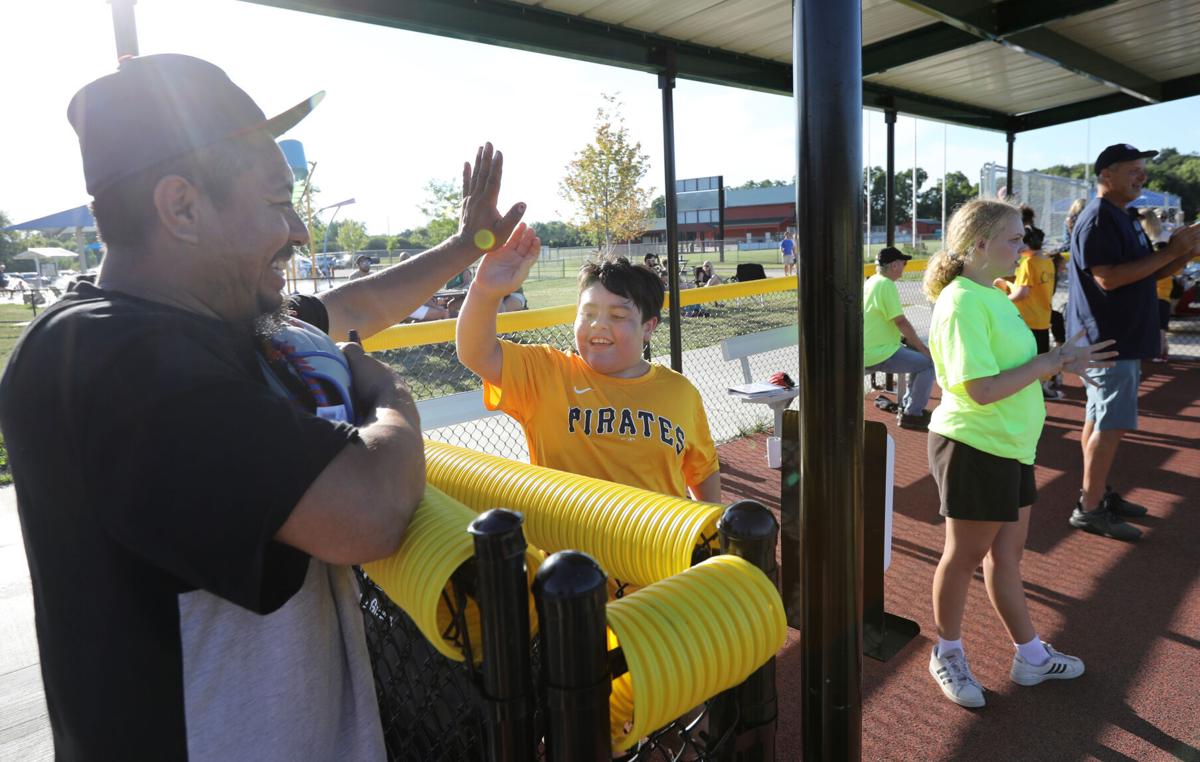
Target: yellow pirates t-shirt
x=649 y=432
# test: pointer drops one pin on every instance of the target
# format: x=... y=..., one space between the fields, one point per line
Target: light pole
x=325 y=238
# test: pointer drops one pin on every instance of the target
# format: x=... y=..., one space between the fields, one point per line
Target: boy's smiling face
x=610 y=333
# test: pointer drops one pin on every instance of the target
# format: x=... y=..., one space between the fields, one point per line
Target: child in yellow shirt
x=1032 y=291
x=600 y=410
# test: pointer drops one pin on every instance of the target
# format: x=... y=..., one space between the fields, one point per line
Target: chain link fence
x=433 y=370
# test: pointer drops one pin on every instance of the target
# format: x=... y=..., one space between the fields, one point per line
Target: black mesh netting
x=433 y=710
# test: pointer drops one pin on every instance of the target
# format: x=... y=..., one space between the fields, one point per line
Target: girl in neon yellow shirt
x=983 y=439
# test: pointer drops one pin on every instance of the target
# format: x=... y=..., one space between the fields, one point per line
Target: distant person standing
x=884 y=325
x=1032 y=291
x=362 y=267
x=1112 y=273
x=787 y=248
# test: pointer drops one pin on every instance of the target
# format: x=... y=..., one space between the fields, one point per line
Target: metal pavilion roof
x=1009 y=65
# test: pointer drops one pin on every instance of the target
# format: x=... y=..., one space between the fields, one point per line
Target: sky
x=404 y=108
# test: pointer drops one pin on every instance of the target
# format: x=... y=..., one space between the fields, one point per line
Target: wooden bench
x=742 y=348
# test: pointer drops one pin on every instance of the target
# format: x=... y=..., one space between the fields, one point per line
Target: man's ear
x=176 y=200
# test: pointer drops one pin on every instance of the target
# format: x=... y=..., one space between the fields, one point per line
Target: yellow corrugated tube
x=638 y=536
x=687 y=638
x=415 y=577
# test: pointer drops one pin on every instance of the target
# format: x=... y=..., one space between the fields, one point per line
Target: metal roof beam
x=994 y=21
x=535 y=29
x=1067 y=54
x=931 y=107
x=1019 y=25
x=913 y=46
x=966 y=23
x=1174 y=89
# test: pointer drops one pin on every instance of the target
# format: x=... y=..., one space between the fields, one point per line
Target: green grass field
x=12 y=321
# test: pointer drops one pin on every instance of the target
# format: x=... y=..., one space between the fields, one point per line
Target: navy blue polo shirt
x=1105 y=234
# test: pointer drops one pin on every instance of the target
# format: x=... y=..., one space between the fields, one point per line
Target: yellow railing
x=439 y=331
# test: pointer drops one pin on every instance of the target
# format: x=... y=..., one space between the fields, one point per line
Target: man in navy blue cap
x=1112 y=277
x=189 y=499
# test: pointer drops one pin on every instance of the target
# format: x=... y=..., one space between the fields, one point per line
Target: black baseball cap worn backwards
x=890 y=254
x=1120 y=152
x=159 y=107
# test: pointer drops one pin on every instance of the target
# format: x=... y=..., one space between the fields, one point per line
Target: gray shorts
x=1113 y=404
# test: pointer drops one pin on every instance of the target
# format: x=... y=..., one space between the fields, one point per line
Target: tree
x=658 y=207
x=1169 y=172
x=10 y=243
x=751 y=184
x=959 y=191
x=558 y=234
x=442 y=207
x=875 y=179
x=351 y=235
x=603 y=181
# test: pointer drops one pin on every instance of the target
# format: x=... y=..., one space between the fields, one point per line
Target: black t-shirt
x=150 y=459
x=1105 y=235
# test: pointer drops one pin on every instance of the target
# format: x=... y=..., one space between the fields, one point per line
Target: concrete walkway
x=24 y=724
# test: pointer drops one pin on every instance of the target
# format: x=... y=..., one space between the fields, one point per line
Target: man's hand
x=481 y=225
x=375 y=384
x=1184 y=243
x=504 y=269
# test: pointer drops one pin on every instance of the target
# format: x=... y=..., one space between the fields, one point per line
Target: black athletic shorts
x=1058 y=327
x=1164 y=314
x=1042 y=337
x=976 y=485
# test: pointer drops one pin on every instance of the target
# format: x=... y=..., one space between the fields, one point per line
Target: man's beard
x=273 y=317
x=271 y=322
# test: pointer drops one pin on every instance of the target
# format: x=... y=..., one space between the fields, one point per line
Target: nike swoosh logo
x=581 y=391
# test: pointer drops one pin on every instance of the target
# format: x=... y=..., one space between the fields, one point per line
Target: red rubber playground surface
x=1131 y=612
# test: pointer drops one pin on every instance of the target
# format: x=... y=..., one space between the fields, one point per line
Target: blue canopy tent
x=80 y=219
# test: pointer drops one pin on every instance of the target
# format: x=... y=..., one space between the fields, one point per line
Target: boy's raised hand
x=505 y=268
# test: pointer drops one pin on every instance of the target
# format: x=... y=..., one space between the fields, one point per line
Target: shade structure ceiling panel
x=761 y=28
x=991 y=76
x=883 y=19
x=1157 y=38
x=1059 y=61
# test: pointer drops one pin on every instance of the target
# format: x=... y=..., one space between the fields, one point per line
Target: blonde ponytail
x=974 y=221
x=943 y=267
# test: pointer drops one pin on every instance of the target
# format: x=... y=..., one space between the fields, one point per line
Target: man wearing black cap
x=884 y=325
x=189 y=499
x=1112 y=277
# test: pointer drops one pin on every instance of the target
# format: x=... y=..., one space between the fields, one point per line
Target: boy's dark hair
x=1034 y=238
x=637 y=283
x=1027 y=215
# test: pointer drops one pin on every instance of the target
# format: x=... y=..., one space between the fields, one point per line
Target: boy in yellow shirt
x=601 y=410
x=1032 y=291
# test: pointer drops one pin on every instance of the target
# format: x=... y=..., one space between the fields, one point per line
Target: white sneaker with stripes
x=1058 y=667
x=953 y=676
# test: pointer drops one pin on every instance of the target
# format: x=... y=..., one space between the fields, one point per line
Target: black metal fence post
x=748 y=530
x=503 y=594
x=124 y=28
x=570 y=592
